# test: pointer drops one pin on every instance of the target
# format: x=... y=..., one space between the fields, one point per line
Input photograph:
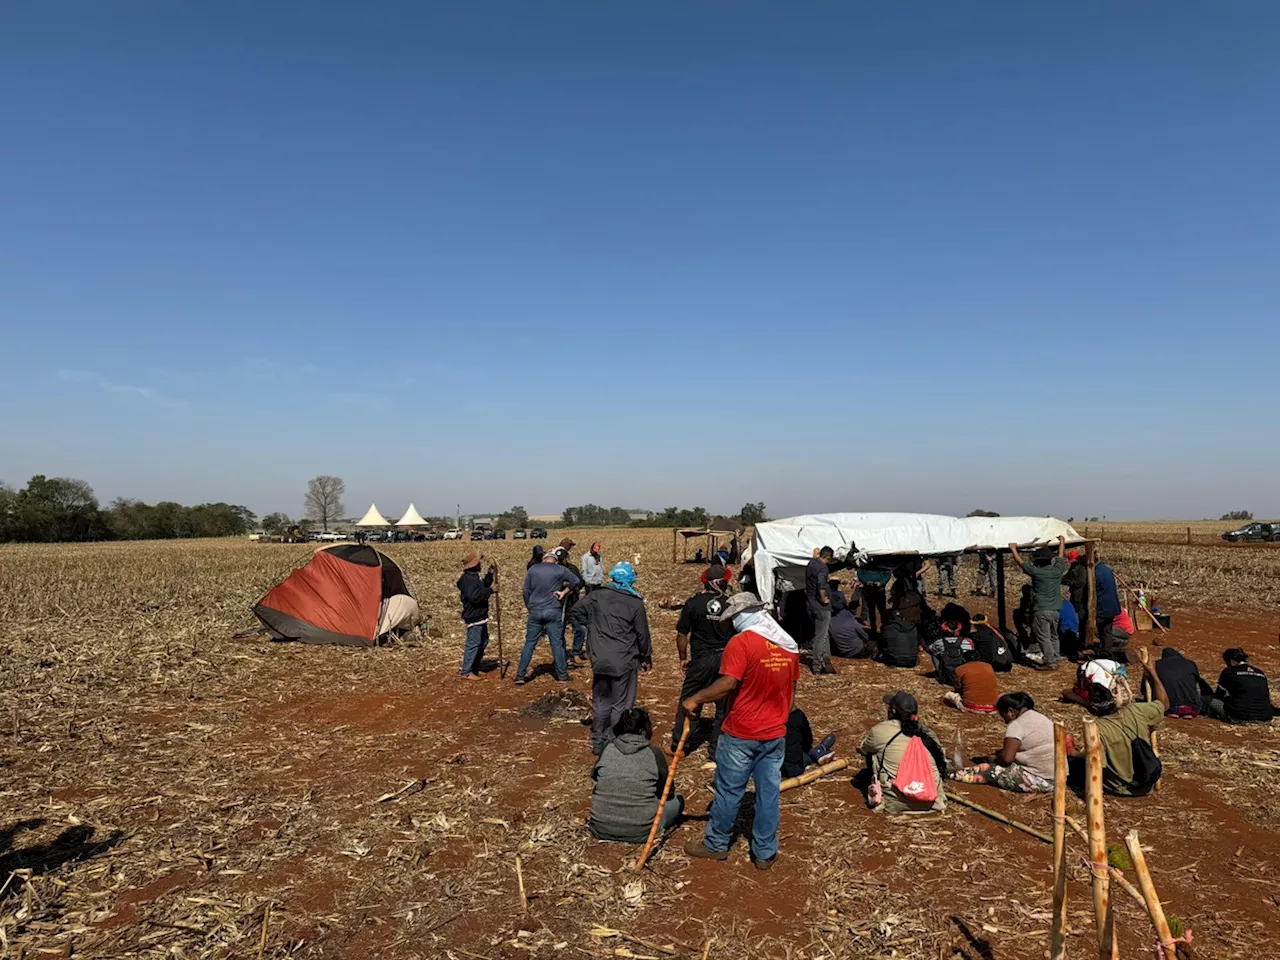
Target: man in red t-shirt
x=758 y=671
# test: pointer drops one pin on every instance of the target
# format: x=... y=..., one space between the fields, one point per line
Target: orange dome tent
x=347 y=593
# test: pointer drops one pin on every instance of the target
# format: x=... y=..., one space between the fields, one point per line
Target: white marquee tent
x=411 y=518
x=782 y=548
x=372 y=518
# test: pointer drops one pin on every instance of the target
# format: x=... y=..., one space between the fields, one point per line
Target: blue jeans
x=736 y=762
x=548 y=620
x=473 y=652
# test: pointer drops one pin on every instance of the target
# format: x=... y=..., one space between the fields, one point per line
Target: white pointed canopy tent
x=782 y=548
x=372 y=518
x=411 y=518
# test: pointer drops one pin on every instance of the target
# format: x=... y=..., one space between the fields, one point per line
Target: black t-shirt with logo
x=707 y=637
x=1248 y=697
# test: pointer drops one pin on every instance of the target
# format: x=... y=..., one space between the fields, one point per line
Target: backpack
x=993 y=648
x=900 y=643
x=1147 y=769
x=950 y=659
x=914 y=778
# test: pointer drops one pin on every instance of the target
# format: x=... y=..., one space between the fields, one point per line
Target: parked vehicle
x=432 y=535
x=538 y=533
x=1254 y=533
x=496 y=535
x=478 y=535
x=453 y=533
x=519 y=534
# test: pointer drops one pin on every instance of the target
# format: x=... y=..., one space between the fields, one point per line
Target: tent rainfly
x=411 y=518
x=372 y=518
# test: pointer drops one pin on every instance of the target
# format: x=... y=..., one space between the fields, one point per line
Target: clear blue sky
x=830 y=255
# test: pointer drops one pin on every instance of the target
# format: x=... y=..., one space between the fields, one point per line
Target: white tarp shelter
x=411 y=518
x=782 y=548
x=372 y=518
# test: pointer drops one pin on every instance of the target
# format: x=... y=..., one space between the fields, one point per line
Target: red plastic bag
x=915 y=773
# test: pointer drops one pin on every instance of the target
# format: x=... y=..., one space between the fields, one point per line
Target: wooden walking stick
x=1103 y=916
x=1058 y=933
x=1149 y=692
x=1168 y=946
x=666 y=792
x=503 y=662
x=809 y=776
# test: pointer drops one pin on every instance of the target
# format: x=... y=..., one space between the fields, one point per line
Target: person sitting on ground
x=1182 y=680
x=1097 y=669
x=1024 y=763
x=990 y=645
x=1130 y=766
x=947 y=650
x=976 y=688
x=1022 y=617
x=629 y=779
x=884 y=747
x=899 y=643
x=801 y=751
x=849 y=637
x=699 y=556
x=1046 y=572
x=1243 y=694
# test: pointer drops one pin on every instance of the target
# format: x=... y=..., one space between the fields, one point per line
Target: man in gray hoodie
x=629 y=778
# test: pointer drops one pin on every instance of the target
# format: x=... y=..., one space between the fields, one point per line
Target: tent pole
x=1087 y=629
x=1003 y=615
x=674 y=535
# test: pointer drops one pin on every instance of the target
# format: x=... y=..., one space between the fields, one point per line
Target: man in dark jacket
x=1108 y=605
x=1077 y=583
x=619 y=646
x=899 y=643
x=1182 y=681
x=578 y=652
x=474 y=593
x=1243 y=694
x=818 y=603
x=700 y=639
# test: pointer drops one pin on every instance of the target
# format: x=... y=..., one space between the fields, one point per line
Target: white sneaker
x=709 y=765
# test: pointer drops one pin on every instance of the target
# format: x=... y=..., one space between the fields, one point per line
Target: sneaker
x=564 y=679
x=521 y=681
x=473 y=676
x=698 y=848
x=709 y=765
x=765 y=864
x=829 y=670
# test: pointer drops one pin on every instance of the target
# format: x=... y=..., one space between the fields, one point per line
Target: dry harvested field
x=167 y=790
x=1188 y=532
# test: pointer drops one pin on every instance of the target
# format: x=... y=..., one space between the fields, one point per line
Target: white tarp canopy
x=372 y=518
x=782 y=548
x=411 y=518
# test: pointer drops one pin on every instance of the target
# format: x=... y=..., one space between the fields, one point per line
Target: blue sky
x=832 y=256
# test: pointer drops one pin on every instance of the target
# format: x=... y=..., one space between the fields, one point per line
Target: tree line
x=590 y=515
x=64 y=509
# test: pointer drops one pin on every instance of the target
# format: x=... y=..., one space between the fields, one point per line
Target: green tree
x=1238 y=515
x=752 y=513
x=54 y=509
x=275 y=524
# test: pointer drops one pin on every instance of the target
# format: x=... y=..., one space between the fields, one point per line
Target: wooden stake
x=266 y=920
x=816 y=773
x=1058 y=933
x=1088 y=629
x=1150 y=694
x=1116 y=874
x=524 y=900
x=503 y=662
x=1103 y=917
x=666 y=792
x=996 y=815
x=1168 y=948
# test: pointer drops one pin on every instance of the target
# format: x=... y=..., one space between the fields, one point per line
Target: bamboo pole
x=666 y=792
x=1149 y=692
x=524 y=899
x=997 y=815
x=503 y=662
x=1168 y=948
x=1088 y=629
x=1103 y=916
x=1058 y=934
x=1116 y=873
x=817 y=773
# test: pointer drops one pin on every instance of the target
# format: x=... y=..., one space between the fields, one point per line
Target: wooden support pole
x=817 y=773
x=1116 y=874
x=1103 y=916
x=675 y=535
x=1149 y=692
x=1058 y=933
x=997 y=815
x=1003 y=616
x=666 y=792
x=1168 y=949
x=1088 y=629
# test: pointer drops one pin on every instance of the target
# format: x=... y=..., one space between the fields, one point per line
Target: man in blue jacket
x=546 y=584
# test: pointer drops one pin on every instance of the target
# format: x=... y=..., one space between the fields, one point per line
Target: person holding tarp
x=1130 y=765
x=701 y=636
x=619 y=646
x=1046 y=573
x=1024 y=762
x=906 y=761
x=629 y=779
x=759 y=670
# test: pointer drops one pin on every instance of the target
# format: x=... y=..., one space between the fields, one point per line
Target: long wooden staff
x=666 y=791
x=1149 y=692
x=503 y=662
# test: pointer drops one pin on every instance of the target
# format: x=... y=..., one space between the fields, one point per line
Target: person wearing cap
x=1046 y=573
x=619 y=646
x=546 y=585
x=571 y=597
x=884 y=746
x=474 y=593
x=818 y=604
x=701 y=637
x=759 y=670
x=593 y=567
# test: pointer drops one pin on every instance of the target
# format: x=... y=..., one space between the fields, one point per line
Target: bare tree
x=324 y=499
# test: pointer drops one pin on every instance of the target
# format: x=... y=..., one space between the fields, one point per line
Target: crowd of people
x=738 y=659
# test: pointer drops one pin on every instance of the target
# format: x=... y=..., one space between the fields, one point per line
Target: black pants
x=698 y=675
x=873 y=605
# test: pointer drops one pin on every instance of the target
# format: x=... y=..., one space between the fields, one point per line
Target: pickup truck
x=1254 y=533
x=453 y=533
